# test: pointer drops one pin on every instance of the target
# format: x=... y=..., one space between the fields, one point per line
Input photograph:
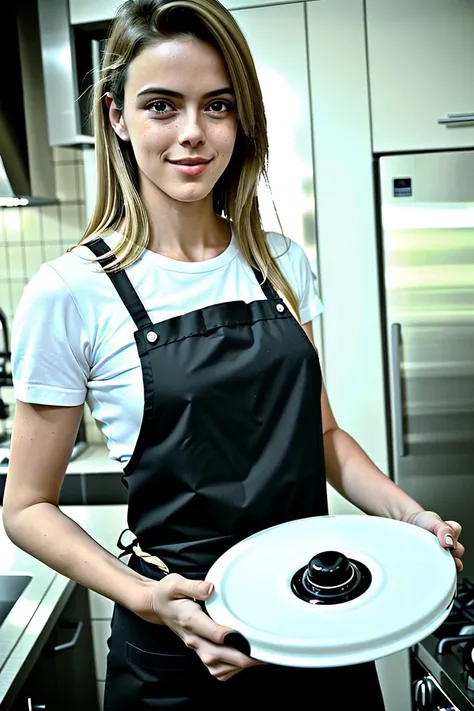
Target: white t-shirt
x=72 y=337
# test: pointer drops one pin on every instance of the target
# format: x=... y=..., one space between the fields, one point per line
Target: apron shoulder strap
x=122 y=284
x=265 y=285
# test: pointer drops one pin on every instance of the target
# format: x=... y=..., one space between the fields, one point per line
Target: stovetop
x=442 y=652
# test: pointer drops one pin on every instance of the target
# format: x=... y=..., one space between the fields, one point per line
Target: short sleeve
x=50 y=348
x=296 y=267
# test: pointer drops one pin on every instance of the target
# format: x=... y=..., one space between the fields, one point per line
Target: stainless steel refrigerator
x=426 y=206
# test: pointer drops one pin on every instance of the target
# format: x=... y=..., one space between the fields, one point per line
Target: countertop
x=94 y=460
x=23 y=628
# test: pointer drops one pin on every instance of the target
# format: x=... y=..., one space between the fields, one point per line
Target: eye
x=220 y=106
x=160 y=106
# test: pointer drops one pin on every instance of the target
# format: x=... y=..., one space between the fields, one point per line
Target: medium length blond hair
x=139 y=24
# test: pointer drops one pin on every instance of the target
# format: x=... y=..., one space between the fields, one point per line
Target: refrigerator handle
x=457 y=118
x=396 y=343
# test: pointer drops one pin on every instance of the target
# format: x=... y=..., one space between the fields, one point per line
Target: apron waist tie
x=149 y=558
x=134 y=547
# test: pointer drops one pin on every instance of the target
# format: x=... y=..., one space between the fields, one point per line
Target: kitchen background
x=33 y=235
x=346 y=83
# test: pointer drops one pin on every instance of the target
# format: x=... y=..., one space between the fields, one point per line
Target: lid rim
x=393 y=614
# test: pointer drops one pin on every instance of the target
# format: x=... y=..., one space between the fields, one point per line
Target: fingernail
x=449 y=541
x=238 y=641
x=205 y=588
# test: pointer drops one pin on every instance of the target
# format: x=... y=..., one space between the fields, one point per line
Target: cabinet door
x=63 y=678
x=277 y=40
x=421 y=66
x=88 y=11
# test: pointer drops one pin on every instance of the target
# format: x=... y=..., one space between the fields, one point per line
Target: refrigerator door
x=427 y=233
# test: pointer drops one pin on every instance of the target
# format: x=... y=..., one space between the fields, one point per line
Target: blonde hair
x=140 y=23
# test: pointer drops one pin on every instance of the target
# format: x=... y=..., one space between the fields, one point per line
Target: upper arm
x=328 y=419
x=42 y=442
x=50 y=368
x=51 y=349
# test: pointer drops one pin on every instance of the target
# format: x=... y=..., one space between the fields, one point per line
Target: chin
x=196 y=194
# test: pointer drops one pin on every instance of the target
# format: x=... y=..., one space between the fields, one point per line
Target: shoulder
x=279 y=244
x=290 y=256
x=71 y=276
x=68 y=292
x=295 y=265
x=285 y=249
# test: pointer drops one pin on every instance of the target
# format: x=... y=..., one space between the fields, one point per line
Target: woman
x=176 y=318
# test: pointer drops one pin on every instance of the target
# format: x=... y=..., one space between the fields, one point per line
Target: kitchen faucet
x=5 y=376
x=4 y=345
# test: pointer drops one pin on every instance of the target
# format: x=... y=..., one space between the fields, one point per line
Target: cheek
x=153 y=139
x=224 y=138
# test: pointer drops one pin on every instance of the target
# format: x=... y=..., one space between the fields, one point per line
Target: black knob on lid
x=329 y=569
x=330 y=578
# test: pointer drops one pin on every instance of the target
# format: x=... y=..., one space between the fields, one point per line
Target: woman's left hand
x=447 y=532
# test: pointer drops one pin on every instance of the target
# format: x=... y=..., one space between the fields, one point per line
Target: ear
x=116 y=118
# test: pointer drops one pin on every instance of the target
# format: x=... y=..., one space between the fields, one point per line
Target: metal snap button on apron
x=280 y=308
x=151 y=337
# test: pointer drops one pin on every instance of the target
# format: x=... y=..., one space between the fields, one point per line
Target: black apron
x=230 y=443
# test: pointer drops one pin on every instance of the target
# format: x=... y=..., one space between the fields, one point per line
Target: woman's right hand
x=172 y=602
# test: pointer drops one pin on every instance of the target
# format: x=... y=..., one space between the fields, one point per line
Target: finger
x=202 y=626
x=180 y=587
x=456 y=527
x=237 y=641
x=459 y=551
x=224 y=675
x=218 y=657
x=446 y=535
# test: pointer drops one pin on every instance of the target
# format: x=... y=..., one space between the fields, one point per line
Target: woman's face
x=179 y=115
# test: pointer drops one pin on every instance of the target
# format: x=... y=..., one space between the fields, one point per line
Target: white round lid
x=375 y=586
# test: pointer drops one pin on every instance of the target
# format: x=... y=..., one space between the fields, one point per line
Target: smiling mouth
x=191 y=161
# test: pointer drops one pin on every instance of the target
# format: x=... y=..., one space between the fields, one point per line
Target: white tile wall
x=32 y=235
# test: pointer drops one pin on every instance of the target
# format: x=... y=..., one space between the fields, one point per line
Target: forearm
x=48 y=534
x=353 y=474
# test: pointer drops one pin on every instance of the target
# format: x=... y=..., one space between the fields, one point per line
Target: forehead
x=187 y=65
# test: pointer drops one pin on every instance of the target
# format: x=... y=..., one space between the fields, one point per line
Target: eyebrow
x=177 y=95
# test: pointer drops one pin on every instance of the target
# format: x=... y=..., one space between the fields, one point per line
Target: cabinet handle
x=457 y=118
x=72 y=642
x=396 y=343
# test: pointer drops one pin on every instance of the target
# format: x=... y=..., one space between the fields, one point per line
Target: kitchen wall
x=30 y=236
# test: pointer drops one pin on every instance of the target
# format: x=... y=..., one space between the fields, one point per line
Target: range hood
x=26 y=164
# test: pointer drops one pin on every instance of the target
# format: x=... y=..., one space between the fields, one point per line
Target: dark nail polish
x=238 y=641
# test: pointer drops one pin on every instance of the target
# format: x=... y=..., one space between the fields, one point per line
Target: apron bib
x=230 y=443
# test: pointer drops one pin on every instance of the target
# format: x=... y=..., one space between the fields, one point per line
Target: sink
x=11 y=588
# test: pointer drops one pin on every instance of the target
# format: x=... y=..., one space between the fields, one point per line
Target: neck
x=187 y=231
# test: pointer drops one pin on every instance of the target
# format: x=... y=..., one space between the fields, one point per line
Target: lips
x=191 y=161
x=191 y=166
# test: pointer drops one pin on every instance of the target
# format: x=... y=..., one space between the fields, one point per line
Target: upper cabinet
x=421 y=73
x=84 y=12
x=283 y=76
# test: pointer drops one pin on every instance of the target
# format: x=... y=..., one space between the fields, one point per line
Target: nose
x=191 y=131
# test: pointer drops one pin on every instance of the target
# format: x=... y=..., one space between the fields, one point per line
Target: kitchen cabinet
x=284 y=81
x=289 y=205
x=63 y=677
x=421 y=74
x=88 y=11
